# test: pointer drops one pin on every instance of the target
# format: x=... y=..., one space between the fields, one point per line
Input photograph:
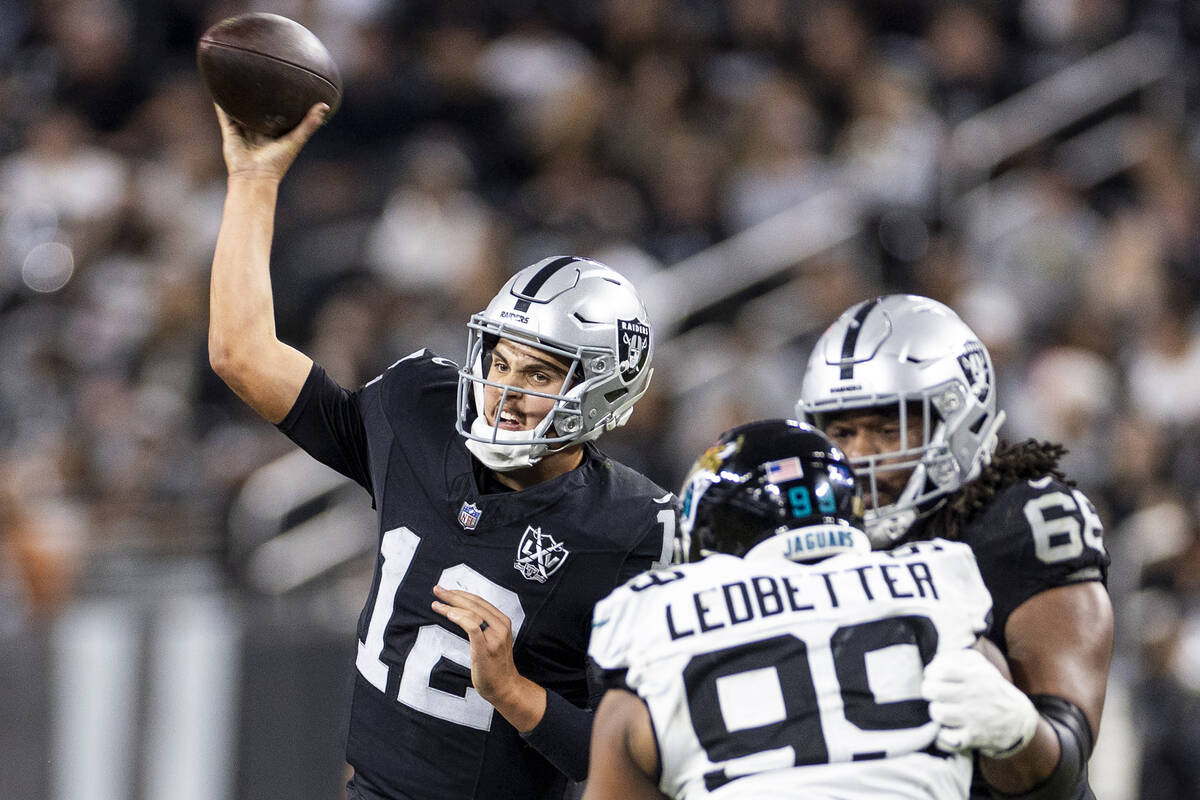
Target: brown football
x=265 y=71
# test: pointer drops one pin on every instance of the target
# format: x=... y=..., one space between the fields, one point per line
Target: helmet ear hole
x=568 y=425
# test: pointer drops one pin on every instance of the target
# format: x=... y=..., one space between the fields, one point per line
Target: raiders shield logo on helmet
x=538 y=555
x=633 y=347
x=975 y=368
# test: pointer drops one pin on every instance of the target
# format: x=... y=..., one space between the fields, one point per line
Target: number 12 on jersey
x=433 y=642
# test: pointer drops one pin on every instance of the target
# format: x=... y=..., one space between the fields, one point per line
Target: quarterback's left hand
x=493 y=672
x=976 y=706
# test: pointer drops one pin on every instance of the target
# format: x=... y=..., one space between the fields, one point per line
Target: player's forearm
x=1075 y=739
x=1028 y=767
x=523 y=705
x=1059 y=648
x=241 y=310
x=242 y=345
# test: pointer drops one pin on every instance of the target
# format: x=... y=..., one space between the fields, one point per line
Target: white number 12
x=433 y=642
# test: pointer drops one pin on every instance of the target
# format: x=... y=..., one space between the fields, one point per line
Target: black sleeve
x=563 y=736
x=652 y=551
x=1035 y=536
x=600 y=680
x=326 y=422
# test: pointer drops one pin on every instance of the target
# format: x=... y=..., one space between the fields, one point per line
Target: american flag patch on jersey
x=785 y=469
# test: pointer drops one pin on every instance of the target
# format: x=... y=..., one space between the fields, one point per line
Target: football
x=266 y=71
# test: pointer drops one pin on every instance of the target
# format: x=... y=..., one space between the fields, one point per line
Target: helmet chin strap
x=509 y=452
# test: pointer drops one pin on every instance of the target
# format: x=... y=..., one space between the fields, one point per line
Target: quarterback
x=500 y=523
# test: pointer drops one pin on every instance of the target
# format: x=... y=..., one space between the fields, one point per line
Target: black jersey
x=543 y=555
x=1033 y=536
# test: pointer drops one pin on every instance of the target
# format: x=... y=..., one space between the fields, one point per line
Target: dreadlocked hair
x=1011 y=463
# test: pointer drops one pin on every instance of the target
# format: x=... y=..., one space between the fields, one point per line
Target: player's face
x=871 y=432
x=522 y=368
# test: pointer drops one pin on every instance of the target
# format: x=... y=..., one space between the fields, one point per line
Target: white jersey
x=771 y=679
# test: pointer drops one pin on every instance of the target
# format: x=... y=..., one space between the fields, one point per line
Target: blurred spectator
x=1168 y=355
x=177 y=183
x=60 y=186
x=433 y=204
x=968 y=58
x=836 y=42
x=1168 y=709
x=892 y=142
x=1068 y=396
x=1036 y=237
x=42 y=536
x=100 y=68
x=778 y=166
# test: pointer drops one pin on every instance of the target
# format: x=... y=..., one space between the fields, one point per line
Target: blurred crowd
x=475 y=138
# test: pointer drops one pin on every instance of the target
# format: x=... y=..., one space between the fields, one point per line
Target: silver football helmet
x=915 y=357
x=577 y=310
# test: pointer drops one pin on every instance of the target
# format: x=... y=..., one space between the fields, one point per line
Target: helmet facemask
x=946 y=454
x=556 y=430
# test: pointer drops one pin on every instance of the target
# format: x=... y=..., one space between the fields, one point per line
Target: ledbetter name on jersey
x=760 y=596
x=768 y=678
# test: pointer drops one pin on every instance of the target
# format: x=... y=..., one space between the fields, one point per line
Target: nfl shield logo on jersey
x=468 y=516
x=538 y=555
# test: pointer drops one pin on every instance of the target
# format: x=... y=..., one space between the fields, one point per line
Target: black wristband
x=563 y=736
x=1068 y=781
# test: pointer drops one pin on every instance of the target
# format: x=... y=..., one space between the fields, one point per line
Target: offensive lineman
x=500 y=523
x=789 y=661
x=906 y=389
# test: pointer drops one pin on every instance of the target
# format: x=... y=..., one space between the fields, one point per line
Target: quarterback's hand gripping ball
x=266 y=71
